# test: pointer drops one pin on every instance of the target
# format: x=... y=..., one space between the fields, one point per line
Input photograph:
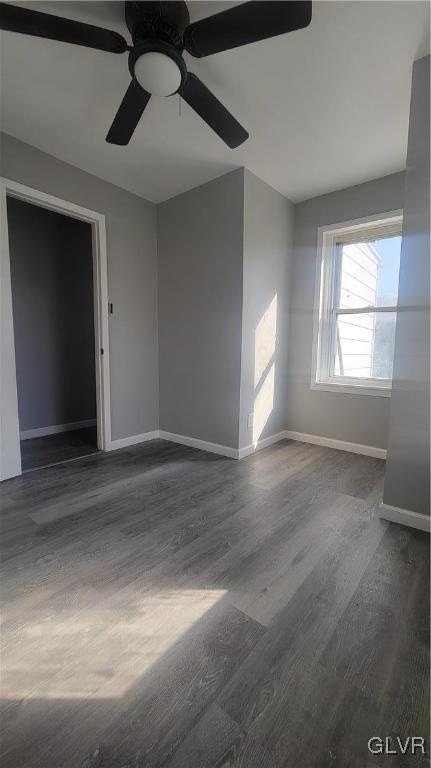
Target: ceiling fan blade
x=14 y=18
x=212 y=111
x=129 y=113
x=244 y=24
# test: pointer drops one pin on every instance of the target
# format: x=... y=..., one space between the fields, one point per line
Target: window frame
x=328 y=271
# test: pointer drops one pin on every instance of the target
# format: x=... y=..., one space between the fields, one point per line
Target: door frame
x=10 y=454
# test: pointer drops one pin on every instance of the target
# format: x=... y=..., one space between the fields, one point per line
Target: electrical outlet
x=250 y=420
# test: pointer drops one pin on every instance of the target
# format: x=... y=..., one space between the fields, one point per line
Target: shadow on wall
x=265 y=345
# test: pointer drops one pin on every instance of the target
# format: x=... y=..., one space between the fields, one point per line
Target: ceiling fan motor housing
x=155 y=60
x=165 y=20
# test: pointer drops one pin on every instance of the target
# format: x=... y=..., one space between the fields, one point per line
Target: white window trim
x=326 y=239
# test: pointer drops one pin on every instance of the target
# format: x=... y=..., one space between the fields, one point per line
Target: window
x=356 y=307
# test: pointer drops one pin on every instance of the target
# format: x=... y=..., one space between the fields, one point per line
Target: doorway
x=52 y=302
x=55 y=403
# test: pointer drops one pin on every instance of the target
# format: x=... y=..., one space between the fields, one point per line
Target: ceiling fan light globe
x=157 y=73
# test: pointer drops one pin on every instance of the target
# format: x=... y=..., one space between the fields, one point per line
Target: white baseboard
x=339 y=445
x=55 y=429
x=404 y=517
x=264 y=443
x=125 y=442
x=203 y=445
x=242 y=453
x=194 y=442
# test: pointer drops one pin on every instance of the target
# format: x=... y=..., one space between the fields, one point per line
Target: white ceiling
x=326 y=107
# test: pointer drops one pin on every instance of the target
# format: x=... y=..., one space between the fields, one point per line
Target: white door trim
x=10 y=458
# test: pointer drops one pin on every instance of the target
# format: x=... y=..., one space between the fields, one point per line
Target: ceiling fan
x=160 y=32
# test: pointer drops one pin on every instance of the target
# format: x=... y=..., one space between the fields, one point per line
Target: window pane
x=364 y=345
x=369 y=273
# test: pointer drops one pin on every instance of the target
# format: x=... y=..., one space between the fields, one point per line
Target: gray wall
x=351 y=417
x=131 y=229
x=268 y=237
x=214 y=244
x=407 y=479
x=200 y=308
x=52 y=297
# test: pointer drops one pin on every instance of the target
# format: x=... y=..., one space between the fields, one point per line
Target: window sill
x=351 y=389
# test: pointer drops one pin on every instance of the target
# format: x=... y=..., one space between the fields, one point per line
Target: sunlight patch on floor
x=98 y=652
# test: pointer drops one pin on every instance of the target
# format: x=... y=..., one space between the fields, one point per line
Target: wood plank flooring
x=167 y=608
x=52 y=449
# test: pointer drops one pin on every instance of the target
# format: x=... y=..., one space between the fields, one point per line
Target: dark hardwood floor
x=52 y=449
x=164 y=606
